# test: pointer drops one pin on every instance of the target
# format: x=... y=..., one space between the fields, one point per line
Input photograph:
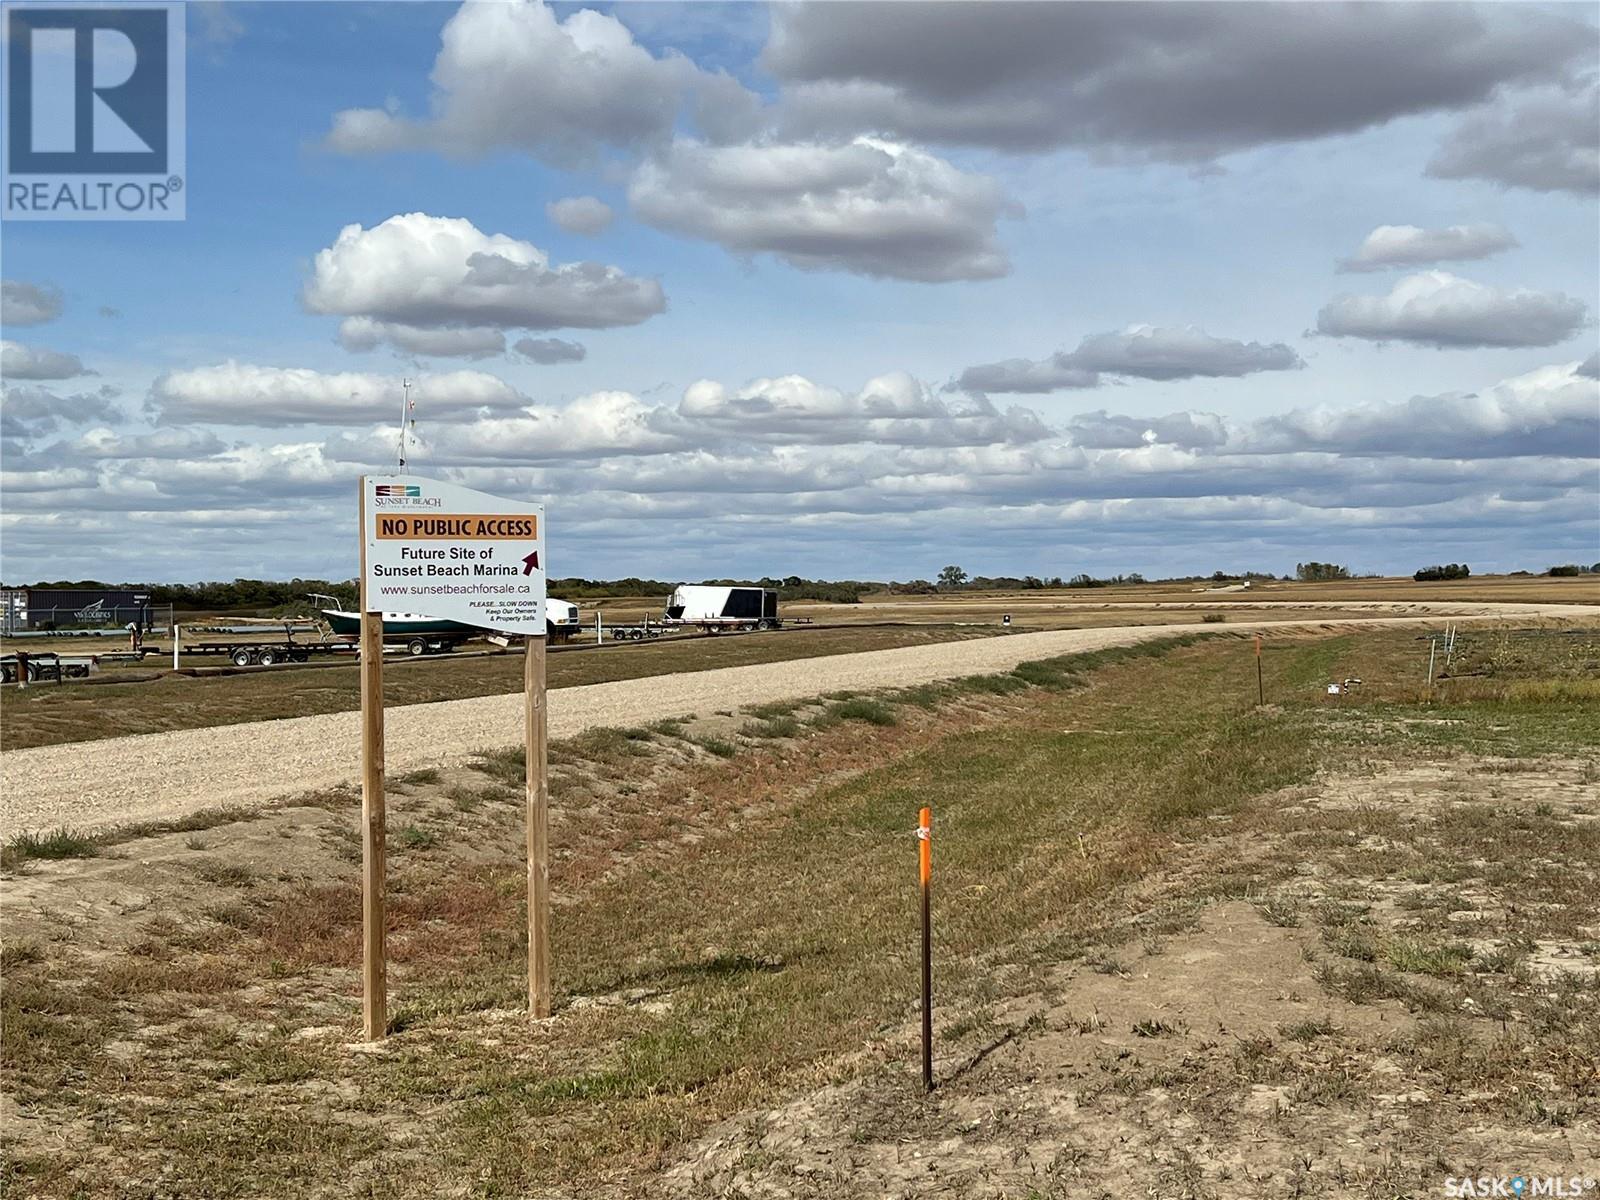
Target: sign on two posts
x=451 y=554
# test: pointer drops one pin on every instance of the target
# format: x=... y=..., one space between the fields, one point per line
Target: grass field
x=1341 y=946
x=46 y=714
x=1084 y=606
x=49 y=715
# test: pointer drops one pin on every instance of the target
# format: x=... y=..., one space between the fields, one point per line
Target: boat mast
x=407 y=406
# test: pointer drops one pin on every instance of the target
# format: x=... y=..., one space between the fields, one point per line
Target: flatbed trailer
x=635 y=633
x=44 y=665
x=246 y=645
x=255 y=645
x=261 y=654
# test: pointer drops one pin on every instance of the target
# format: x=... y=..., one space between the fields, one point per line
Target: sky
x=841 y=290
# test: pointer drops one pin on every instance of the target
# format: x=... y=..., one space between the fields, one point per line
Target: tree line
x=292 y=595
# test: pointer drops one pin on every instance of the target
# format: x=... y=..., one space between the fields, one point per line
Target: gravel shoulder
x=162 y=776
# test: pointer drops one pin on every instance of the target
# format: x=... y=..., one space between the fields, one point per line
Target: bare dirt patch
x=1263 y=1050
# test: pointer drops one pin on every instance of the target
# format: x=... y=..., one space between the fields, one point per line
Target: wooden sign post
x=450 y=559
x=374 y=808
x=374 y=830
x=538 y=782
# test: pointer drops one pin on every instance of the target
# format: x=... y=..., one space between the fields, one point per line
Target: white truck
x=560 y=619
x=714 y=608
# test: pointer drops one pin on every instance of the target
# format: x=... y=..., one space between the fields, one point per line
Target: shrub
x=862 y=708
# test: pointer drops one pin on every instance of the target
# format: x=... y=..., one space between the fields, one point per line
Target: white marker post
x=461 y=556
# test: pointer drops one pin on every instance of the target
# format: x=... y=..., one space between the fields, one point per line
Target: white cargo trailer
x=715 y=608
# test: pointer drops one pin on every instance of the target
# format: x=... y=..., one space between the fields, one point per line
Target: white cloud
x=1552 y=411
x=18 y=361
x=28 y=303
x=27 y=410
x=1411 y=246
x=891 y=409
x=549 y=351
x=510 y=75
x=1140 y=351
x=1107 y=431
x=359 y=334
x=1435 y=308
x=1545 y=141
x=587 y=215
x=426 y=272
x=1182 y=82
x=103 y=443
x=599 y=425
x=235 y=393
x=872 y=207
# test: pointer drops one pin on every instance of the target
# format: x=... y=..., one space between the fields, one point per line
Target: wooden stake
x=925 y=874
x=538 y=782
x=374 y=814
x=374 y=964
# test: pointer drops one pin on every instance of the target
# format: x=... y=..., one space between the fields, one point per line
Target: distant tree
x=1320 y=572
x=1084 y=581
x=1447 y=571
x=952 y=577
x=1567 y=569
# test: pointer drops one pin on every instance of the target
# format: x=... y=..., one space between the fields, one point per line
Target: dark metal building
x=75 y=608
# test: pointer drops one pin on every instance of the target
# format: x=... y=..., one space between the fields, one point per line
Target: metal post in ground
x=1433 y=646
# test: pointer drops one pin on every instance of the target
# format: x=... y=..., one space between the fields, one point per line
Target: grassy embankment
x=737 y=921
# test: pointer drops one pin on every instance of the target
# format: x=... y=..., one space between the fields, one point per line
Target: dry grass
x=733 y=930
x=49 y=716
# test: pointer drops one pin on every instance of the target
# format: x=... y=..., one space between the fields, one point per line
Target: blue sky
x=843 y=246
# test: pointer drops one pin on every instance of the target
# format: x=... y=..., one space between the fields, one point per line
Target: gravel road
x=166 y=775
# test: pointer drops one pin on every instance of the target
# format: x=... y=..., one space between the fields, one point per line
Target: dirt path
x=165 y=775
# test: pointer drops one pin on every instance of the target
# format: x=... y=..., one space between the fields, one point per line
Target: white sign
x=439 y=550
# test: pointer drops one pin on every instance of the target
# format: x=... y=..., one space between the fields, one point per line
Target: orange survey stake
x=925 y=862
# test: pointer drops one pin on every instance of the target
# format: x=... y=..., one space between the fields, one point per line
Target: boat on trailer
x=422 y=633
